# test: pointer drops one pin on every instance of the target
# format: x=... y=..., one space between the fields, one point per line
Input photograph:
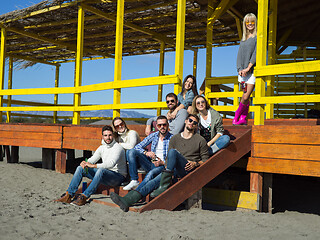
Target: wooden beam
x=131 y=25
x=70 y=47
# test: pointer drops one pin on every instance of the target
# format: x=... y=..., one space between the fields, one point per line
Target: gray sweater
x=176 y=125
x=246 y=54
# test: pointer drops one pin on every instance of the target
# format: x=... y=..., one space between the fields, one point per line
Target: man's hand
x=151 y=155
x=172 y=115
x=190 y=165
x=169 y=116
x=148 y=130
x=85 y=164
x=158 y=163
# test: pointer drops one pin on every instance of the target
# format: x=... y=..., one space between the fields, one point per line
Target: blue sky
x=98 y=71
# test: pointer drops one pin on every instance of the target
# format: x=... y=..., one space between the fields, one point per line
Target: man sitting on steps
x=151 y=161
x=187 y=151
x=112 y=171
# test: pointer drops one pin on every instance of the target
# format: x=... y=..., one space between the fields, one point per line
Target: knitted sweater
x=113 y=157
x=128 y=139
x=193 y=149
x=246 y=54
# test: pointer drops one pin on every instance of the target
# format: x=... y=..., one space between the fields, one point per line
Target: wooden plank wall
x=31 y=135
x=286 y=149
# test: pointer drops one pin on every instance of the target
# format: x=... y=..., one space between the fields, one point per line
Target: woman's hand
x=148 y=130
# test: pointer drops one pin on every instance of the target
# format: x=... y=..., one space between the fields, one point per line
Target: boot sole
x=116 y=199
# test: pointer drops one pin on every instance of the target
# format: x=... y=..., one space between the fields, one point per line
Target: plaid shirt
x=153 y=138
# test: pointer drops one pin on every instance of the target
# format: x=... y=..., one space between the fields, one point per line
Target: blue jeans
x=147 y=187
x=150 y=175
x=222 y=142
x=177 y=162
x=137 y=159
x=97 y=175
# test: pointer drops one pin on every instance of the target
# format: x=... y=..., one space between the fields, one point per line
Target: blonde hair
x=244 y=28
x=194 y=104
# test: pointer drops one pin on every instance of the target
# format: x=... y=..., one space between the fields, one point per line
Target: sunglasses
x=170 y=101
x=120 y=125
x=193 y=122
x=161 y=125
x=200 y=102
x=247 y=23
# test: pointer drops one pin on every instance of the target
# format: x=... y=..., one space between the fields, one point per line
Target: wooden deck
x=280 y=146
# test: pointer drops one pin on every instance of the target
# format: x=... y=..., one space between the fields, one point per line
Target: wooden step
x=106 y=200
x=195 y=180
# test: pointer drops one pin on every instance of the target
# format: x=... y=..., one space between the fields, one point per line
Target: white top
x=159 y=149
x=113 y=157
x=206 y=123
x=128 y=139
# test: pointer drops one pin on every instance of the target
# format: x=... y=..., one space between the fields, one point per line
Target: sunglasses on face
x=193 y=122
x=200 y=102
x=161 y=125
x=247 y=23
x=119 y=125
x=170 y=101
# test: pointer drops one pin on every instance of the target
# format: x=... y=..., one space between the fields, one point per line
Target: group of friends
x=176 y=144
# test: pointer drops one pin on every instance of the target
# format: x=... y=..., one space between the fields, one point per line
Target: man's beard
x=163 y=134
x=189 y=129
x=172 y=109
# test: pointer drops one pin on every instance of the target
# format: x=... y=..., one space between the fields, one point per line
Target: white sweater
x=113 y=157
x=128 y=139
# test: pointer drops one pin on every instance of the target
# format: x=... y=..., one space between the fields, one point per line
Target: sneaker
x=65 y=198
x=132 y=185
x=80 y=200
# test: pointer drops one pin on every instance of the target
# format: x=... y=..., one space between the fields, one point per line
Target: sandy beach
x=28 y=212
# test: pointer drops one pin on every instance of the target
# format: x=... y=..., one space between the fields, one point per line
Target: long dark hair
x=194 y=85
x=115 y=130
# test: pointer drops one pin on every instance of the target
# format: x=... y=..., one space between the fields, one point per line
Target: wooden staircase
x=240 y=145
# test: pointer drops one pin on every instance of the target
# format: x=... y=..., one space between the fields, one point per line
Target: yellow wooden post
x=209 y=45
x=2 y=64
x=180 y=29
x=161 y=72
x=305 y=82
x=195 y=62
x=261 y=57
x=78 y=73
x=56 y=84
x=9 y=98
x=271 y=53
x=118 y=55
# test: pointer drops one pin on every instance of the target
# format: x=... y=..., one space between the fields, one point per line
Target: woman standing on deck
x=125 y=137
x=246 y=60
x=210 y=125
x=186 y=96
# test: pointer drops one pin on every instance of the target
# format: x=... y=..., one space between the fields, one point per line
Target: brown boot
x=65 y=198
x=80 y=200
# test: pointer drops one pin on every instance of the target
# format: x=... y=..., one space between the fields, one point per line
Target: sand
x=28 y=212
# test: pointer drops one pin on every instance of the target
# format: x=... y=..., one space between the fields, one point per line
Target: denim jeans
x=145 y=188
x=97 y=175
x=150 y=175
x=222 y=142
x=176 y=162
x=137 y=159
